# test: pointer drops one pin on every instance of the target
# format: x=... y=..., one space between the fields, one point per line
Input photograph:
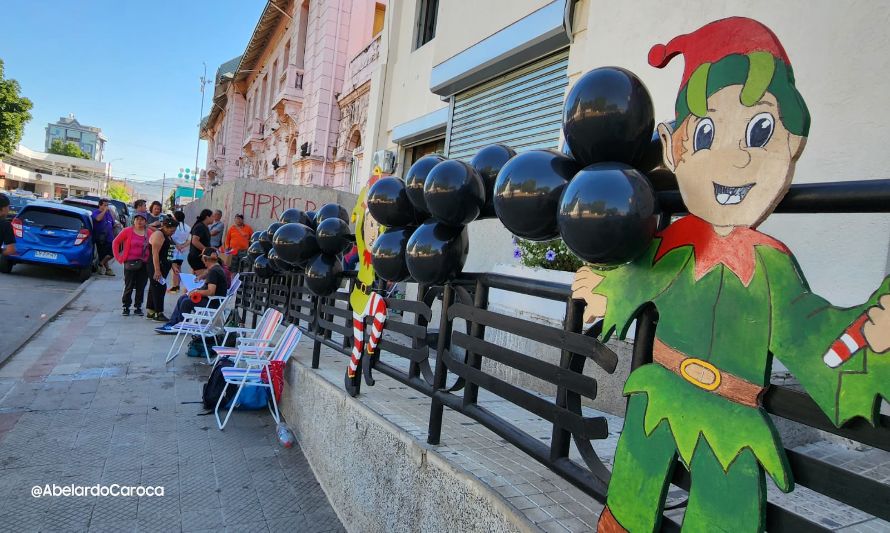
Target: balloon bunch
x=427 y=214
x=594 y=194
x=309 y=242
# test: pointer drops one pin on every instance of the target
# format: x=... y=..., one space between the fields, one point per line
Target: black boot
x=126 y=311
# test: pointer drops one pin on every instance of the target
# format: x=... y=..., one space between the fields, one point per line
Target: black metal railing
x=450 y=353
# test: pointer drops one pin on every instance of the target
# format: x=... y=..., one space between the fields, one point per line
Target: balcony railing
x=289 y=97
x=360 y=67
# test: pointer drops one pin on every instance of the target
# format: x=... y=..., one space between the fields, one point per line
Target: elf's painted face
x=734 y=165
x=370 y=230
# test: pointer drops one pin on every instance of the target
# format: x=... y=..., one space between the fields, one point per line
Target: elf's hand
x=585 y=282
x=877 y=328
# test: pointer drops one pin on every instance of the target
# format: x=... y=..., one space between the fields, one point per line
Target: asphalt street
x=26 y=294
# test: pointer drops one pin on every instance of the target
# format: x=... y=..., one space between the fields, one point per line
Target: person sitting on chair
x=215 y=284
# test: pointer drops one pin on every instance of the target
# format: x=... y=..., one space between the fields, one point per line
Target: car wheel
x=5 y=265
x=84 y=274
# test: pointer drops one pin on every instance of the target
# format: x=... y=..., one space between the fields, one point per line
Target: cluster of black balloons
x=310 y=242
x=595 y=194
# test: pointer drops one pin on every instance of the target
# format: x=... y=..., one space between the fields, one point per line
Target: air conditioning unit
x=385 y=159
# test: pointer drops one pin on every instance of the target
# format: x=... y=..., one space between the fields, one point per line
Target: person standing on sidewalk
x=155 y=218
x=237 y=240
x=217 y=230
x=103 y=234
x=158 y=268
x=7 y=237
x=180 y=249
x=131 y=249
x=200 y=240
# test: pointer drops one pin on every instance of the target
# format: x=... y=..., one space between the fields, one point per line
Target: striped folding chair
x=205 y=322
x=251 y=338
x=249 y=375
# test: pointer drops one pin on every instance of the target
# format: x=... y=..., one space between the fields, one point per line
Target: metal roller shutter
x=522 y=109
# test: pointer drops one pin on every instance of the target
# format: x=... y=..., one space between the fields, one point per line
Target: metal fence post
x=480 y=301
x=441 y=375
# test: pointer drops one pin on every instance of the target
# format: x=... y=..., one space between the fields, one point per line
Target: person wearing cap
x=103 y=234
x=729 y=298
x=7 y=236
x=158 y=268
x=131 y=249
x=215 y=284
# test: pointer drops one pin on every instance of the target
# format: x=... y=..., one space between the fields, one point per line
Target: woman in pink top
x=132 y=250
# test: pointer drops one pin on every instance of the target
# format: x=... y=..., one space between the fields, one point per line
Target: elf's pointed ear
x=667 y=145
x=796 y=144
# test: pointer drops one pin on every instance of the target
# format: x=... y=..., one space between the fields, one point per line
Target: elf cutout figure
x=364 y=300
x=728 y=298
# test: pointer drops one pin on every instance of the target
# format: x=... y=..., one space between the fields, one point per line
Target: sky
x=132 y=68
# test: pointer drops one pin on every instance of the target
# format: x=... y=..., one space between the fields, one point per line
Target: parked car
x=16 y=203
x=52 y=234
x=89 y=205
x=123 y=210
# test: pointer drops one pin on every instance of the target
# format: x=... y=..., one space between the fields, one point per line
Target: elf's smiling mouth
x=726 y=195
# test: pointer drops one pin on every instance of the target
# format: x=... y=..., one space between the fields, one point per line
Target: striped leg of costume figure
x=376 y=307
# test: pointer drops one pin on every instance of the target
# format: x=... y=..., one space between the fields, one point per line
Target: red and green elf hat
x=734 y=51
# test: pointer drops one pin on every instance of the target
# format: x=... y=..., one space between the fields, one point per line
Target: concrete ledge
x=377 y=476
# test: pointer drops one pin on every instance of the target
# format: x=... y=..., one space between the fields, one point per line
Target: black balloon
x=454 y=192
x=388 y=202
x=526 y=193
x=255 y=237
x=651 y=158
x=437 y=252
x=277 y=264
x=334 y=236
x=331 y=211
x=273 y=227
x=262 y=267
x=255 y=250
x=608 y=116
x=295 y=243
x=322 y=274
x=388 y=254
x=416 y=178
x=292 y=216
x=265 y=241
x=608 y=214
x=488 y=162
x=310 y=219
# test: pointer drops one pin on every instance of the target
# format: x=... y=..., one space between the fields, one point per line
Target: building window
x=413 y=153
x=426 y=21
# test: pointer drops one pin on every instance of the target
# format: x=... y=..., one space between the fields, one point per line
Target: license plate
x=46 y=255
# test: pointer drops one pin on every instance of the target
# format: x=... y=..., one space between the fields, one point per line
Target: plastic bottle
x=286 y=437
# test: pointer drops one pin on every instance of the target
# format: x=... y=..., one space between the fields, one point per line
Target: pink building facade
x=292 y=109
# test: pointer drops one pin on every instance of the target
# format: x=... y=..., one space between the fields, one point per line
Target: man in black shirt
x=7 y=237
x=215 y=284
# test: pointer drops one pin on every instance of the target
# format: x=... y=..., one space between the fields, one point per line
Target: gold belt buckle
x=700 y=373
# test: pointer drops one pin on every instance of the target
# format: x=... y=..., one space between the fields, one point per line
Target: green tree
x=14 y=113
x=118 y=191
x=69 y=148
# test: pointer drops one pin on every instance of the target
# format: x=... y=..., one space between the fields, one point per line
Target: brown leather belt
x=706 y=376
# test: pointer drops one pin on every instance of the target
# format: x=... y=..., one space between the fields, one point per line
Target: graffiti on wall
x=262 y=205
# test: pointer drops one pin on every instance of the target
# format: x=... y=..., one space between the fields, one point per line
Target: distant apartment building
x=52 y=176
x=69 y=130
x=293 y=107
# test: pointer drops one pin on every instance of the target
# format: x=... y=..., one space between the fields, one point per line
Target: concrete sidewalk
x=89 y=400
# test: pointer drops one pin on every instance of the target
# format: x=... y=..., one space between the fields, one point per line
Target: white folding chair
x=250 y=375
x=230 y=293
x=205 y=323
x=250 y=338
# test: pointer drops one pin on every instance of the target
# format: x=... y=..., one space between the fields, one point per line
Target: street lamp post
x=198 y=147
x=108 y=174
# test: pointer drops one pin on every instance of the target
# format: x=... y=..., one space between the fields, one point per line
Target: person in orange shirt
x=237 y=239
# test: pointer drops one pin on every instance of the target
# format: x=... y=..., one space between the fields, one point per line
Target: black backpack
x=215 y=385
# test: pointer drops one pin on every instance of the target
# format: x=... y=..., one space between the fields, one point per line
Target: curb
x=31 y=333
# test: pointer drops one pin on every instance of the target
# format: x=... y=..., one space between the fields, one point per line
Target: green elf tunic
x=731 y=301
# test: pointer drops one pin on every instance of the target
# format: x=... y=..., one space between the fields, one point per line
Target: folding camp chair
x=260 y=336
x=250 y=374
x=205 y=323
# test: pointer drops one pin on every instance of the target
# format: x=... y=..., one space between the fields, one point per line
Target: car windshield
x=41 y=217
x=18 y=202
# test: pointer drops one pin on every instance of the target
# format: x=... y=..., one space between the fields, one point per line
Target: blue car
x=49 y=233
